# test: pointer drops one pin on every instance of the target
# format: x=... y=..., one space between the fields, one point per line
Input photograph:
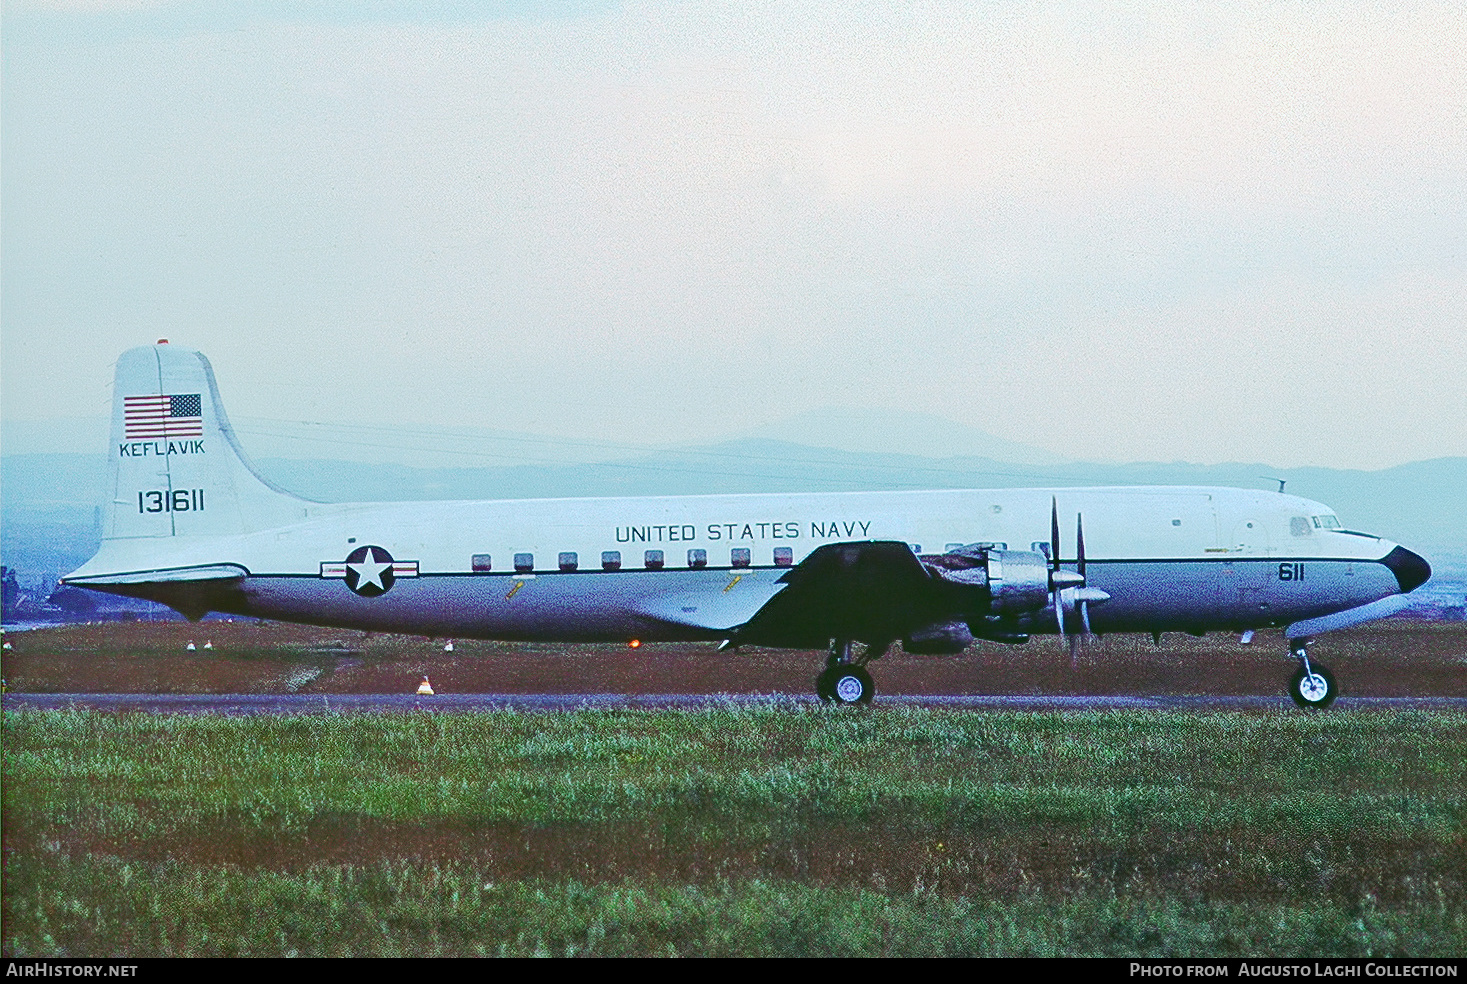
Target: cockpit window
x=1299 y=526
x=1326 y=522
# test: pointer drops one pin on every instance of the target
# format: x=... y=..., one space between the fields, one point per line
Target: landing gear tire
x=1315 y=688
x=825 y=684
x=849 y=685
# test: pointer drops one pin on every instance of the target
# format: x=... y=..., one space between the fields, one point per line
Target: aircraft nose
x=1411 y=569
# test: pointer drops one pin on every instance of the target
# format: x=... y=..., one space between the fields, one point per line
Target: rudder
x=177 y=467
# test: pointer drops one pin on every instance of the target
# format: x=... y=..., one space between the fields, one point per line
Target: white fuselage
x=693 y=567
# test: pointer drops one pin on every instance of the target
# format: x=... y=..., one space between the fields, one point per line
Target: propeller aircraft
x=192 y=525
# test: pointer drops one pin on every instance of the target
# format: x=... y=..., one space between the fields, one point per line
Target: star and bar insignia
x=370 y=570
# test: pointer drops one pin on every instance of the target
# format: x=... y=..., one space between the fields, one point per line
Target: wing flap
x=719 y=609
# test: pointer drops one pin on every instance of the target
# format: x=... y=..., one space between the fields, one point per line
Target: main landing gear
x=1312 y=684
x=845 y=680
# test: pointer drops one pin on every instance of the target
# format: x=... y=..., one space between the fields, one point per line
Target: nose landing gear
x=1312 y=685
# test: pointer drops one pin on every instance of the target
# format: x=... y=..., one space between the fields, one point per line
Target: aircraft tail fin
x=177 y=468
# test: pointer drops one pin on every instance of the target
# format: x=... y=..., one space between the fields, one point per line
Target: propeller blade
x=1054 y=544
x=1084 y=606
x=1080 y=542
x=1060 y=579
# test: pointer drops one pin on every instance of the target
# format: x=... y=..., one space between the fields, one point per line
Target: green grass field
x=775 y=831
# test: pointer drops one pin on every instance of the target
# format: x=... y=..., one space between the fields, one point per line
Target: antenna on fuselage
x=1281 y=481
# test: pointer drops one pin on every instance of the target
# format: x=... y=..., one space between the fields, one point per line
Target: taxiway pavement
x=280 y=704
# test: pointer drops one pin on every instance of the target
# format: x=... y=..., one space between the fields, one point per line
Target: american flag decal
x=146 y=417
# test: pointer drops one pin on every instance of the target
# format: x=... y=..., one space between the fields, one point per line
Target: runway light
x=635 y=644
x=425 y=688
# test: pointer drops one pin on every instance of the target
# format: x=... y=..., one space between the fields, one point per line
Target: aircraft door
x=1248 y=570
x=1250 y=539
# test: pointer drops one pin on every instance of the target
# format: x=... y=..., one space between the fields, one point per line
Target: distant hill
x=886 y=431
x=861 y=429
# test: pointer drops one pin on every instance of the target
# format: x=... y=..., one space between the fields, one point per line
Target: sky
x=1198 y=232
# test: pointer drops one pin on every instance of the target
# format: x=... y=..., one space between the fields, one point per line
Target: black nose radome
x=1411 y=570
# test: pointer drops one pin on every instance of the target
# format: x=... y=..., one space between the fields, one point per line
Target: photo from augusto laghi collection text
x=1357 y=967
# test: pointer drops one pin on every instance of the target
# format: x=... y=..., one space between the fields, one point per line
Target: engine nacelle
x=1018 y=581
x=1001 y=582
x=942 y=639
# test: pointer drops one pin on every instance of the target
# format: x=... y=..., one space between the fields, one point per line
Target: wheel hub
x=849 y=688
x=1313 y=687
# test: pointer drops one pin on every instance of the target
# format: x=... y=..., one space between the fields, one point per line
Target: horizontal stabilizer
x=1350 y=617
x=169 y=575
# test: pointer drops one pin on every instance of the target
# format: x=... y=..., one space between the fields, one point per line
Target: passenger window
x=481 y=563
x=653 y=560
x=784 y=556
x=524 y=563
x=697 y=557
x=611 y=560
x=739 y=556
x=568 y=561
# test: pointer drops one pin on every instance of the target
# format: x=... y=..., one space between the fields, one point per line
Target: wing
x=874 y=591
